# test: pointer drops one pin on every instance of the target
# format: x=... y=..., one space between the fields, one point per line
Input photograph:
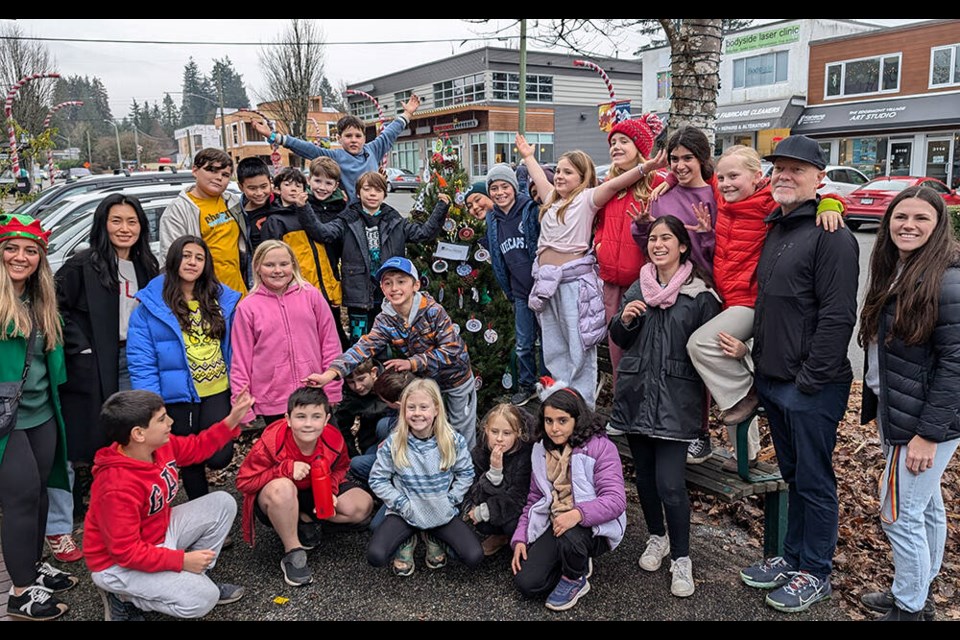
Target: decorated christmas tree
x=455 y=269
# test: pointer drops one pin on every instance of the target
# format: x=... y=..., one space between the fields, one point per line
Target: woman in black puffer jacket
x=910 y=328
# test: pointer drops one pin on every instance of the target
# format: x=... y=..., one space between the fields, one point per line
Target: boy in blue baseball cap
x=413 y=323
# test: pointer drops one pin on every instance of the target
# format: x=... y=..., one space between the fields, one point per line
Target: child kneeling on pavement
x=275 y=481
x=143 y=554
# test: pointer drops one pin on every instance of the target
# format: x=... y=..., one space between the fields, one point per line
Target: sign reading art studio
x=756 y=40
x=941 y=110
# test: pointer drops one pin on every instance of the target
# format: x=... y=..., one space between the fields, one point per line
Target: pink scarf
x=655 y=295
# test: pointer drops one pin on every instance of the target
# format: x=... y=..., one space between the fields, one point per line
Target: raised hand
x=262 y=128
x=241 y=406
x=704 y=224
x=658 y=161
x=320 y=379
x=398 y=364
x=632 y=310
x=639 y=215
x=410 y=106
x=444 y=197
x=523 y=147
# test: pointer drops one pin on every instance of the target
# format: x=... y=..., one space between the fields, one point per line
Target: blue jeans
x=919 y=532
x=60 y=508
x=361 y=465
x=527 y=331
x=804 y=430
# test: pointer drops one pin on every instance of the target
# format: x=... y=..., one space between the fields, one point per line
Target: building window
x=664 y=87
x=364 y=110
x=479 y=155
x=459 y=91
x=404 y=156
x=503 y=149
x=401 y=97
x=315 y=104
x=759 y=71
x=866 y=75
x=867 y=154
x=945 y=66
x=542 y=144
x=235 y=133
x=506 y=86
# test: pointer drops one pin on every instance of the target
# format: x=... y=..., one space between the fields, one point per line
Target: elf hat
x=643 y=131
x=19 y=226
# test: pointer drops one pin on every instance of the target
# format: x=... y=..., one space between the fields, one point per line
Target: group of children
x=404 y=434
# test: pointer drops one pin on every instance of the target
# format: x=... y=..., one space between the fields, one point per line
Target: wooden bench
x=764 y=480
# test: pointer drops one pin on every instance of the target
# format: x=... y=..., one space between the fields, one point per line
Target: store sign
x=881 y=113
x=771 y=38
x=456 y=126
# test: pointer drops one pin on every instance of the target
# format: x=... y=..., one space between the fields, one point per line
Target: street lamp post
x=116 y=130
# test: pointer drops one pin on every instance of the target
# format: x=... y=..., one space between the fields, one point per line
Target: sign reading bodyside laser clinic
x=771 y=38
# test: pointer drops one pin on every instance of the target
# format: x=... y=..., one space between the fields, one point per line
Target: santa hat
x=643 y=131
x=547 y=386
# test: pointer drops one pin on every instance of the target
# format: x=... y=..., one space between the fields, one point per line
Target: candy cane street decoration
x=355 y=92
x=603 y=74
x=46 y=125
x=8 y=111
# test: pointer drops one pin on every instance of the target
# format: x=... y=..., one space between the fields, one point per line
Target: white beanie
x=503 y=172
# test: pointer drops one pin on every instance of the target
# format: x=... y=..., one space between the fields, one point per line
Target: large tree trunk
x=695 y=72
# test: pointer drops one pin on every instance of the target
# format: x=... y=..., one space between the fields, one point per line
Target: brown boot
x=742 y=410
x=492 y=544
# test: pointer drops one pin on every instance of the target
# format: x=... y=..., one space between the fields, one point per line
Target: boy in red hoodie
x=275 y=481
x=142 y=554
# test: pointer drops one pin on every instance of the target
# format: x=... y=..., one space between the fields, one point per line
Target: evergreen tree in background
x=169 y=115
x=199 y=102
x=226 y=79
x=466 y=289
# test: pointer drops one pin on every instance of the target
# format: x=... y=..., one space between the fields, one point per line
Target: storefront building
x=888 y=103
x=473 y=98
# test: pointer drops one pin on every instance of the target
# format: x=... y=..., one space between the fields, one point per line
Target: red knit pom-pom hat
x=643 y=131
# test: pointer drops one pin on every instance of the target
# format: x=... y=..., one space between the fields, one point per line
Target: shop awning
x=757 y=116
x=897 y=113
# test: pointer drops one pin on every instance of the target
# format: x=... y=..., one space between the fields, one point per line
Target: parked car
x=398 y=179
x=88 y=184
x=67 y=209
x=869 y=202
x=841 y=180
x=74 y=236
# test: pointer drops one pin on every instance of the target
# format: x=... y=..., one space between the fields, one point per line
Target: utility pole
x=223 y=121
x=89 y=154
x=136 y=144
x=522 y=109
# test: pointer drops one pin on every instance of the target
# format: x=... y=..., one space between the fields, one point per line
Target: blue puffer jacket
x=156 y=353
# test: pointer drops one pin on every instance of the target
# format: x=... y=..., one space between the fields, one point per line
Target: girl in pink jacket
x=283 y=331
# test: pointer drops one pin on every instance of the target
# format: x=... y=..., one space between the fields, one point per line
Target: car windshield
x=68 y=231
x=53 y=209
x=887 y=185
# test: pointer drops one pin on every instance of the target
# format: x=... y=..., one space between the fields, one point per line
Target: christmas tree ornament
x=458 y=198
x=485 y=297
x=439 y=266
x=474 y=325
x=490 y=335
x=449 y=225
x=481 y=255
x=438 y=145
x=460 y=297
x=466 y=232
x=424 y=282
x=507 y=380
x=464 y=269
x=474 y=294
x=440 y=294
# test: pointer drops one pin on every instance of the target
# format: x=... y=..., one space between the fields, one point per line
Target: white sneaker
x=658 y=548
x=682 y=583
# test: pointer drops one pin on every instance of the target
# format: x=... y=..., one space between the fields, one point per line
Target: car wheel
x=853 y=225
x=389 y=188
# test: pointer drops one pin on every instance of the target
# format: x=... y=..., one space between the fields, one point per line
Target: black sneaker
x=296 y=573
x=310 y=535
x=116 y=610
x=523 y=396
x=35 y=603
x=229 y=593
x=883 y=602
x=52 y=578
x=699 y=450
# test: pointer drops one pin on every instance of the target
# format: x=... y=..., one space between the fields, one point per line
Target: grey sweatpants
x=563 y=351
x=461 y=406
x=202 y=523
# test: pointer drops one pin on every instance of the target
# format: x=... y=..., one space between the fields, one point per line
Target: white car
x=842 y=180
x=69 y=208
x=74 y=236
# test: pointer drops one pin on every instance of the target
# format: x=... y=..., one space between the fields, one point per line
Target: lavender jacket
x=598 y=492
x=547 y=278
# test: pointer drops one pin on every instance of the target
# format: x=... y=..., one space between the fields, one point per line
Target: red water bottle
x=322 y=492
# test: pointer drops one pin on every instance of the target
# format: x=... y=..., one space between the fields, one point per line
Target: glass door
x=901 y=153
x=938 y=158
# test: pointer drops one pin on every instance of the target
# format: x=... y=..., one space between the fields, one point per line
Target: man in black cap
x=805 y=313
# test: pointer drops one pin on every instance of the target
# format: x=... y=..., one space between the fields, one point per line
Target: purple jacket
x=598 y=492
x=280 y=340
x=591 y=318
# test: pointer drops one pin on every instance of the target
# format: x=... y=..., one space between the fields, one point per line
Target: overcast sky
x=144 y=72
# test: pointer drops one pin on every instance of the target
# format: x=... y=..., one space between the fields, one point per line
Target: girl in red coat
x=717 y=348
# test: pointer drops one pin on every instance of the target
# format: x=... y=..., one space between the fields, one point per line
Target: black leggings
x=24 y=471
x=193 y=417
x=392 y=532
x=661 y=470
x=549 y=557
